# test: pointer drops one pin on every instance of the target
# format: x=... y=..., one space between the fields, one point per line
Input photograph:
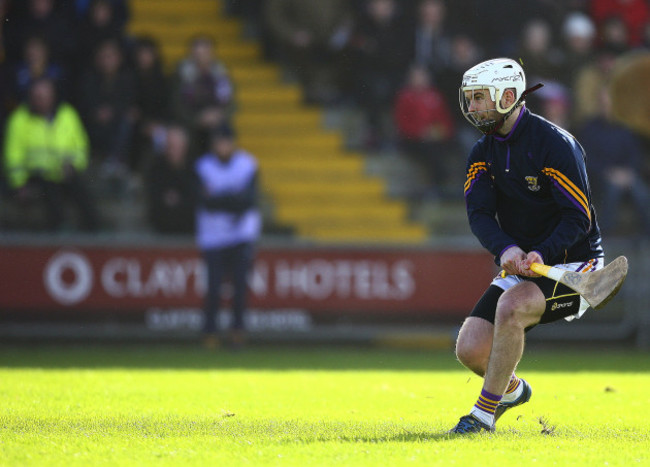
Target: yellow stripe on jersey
x=570 y=187
x=568 y=182
x=473 y=173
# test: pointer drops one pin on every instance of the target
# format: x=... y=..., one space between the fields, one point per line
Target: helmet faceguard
x=493 y=76
x=487 y=121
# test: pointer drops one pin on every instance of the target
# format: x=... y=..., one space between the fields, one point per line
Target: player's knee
x=473 y=355
x=509 y=311
x=519 y=309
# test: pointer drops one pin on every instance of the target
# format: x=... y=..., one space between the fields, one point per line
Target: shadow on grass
x=285 y=358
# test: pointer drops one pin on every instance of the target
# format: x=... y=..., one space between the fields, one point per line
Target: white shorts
x=588 y=266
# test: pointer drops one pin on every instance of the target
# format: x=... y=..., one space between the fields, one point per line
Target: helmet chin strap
x=498 y=126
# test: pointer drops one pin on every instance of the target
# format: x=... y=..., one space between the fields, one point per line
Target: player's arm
x=565 y=169
x=480 y=200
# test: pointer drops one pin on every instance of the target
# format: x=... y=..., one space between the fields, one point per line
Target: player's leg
x=474 y=344
x=474 y=341
x=518 y=308
x=521 y=306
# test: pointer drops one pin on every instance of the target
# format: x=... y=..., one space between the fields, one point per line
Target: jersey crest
x=532 y=183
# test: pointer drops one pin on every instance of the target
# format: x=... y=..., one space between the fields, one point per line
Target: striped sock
x=485 y=407
x=514 y=389
x=514 y=384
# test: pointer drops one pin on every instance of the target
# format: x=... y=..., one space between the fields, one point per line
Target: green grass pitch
x=179 y=405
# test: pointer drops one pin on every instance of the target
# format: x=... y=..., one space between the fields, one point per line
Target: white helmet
x=495 y=75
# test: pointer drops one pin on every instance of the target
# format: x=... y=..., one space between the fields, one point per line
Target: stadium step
x=312 y=183
x=308 y=215
x=365 y=235
x=251 y=74
x=298 y=164
x=366 y=187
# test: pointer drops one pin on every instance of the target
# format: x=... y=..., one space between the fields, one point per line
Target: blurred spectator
x=228 y=225
x=646 y=36
x=635 y=14
x=81 y=9
x=310 y=36
x=553 y=12
x=41 y=18
x=171 y=186
x=152 y=98
x=36 y=64
x=107 y=100
x=46 y=150
x=202 y=92
x=99 y=25
x=465 y=54
x=485 y=23
x=251 y=11
x=579 y=39
x=614 y=155
x=614 y=35
x=431 y=43
x=589 y=81
x=380 y=46
x=555 y=104
x=4 y=11
x=425 y=126
x=543 y=62
x=7 y=98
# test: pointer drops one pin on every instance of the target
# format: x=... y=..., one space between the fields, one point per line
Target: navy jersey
x=530 y=189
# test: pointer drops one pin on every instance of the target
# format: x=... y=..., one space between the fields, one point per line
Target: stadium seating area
x=333 y=166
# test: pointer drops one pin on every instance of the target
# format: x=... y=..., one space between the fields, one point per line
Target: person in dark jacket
x=380 y=52
x=528 y=201
x=616 y=161
x=172 y=186
x=107 y=104
x=152 y=106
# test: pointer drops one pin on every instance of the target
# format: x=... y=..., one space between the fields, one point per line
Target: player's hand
x=511 y=259
x=532 y=257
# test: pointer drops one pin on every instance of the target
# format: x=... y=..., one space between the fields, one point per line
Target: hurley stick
x=597 y=287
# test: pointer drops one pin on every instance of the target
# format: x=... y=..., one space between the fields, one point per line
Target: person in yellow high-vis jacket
x=45 y=151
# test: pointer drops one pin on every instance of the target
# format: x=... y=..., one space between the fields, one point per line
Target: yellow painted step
x=254 y=73
x=307 y=143
x=161 y=2
x=326 y=174
x=306 y=213
x=337 y=200
x=279 y=129
x=306 y=165
x=398 y=234
x=343 y=224
x=225 y=51
x=175 y=30
x=272 y=96
x=296 y=117
x=319 y=197
x=366 y=186
x=179 y=8
x=302 y=155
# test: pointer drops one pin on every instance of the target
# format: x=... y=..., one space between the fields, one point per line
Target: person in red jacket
x=634 y=13
x=424 y=125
